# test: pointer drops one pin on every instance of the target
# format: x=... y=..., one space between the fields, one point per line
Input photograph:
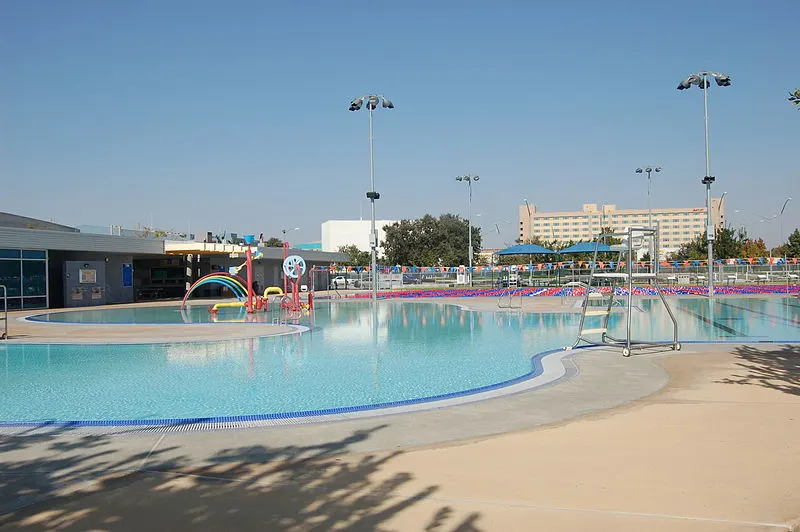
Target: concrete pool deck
x=704 y=439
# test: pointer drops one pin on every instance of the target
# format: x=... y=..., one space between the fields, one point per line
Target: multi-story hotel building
x=677 y=226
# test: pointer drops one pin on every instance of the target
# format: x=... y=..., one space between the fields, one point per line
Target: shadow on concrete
x=52 y=477
x=775 y=367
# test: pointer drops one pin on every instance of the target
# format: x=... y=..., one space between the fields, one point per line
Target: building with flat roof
x=677 y=225
x=338 y=233
x=48 y=265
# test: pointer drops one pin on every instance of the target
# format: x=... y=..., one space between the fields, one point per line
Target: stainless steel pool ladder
x=4 y=334
x=626 y=255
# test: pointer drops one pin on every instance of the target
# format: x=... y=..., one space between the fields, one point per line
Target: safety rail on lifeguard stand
x=624 y=275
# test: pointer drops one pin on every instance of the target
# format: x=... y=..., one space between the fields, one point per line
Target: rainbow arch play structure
x=234 y=283
x=293 y=267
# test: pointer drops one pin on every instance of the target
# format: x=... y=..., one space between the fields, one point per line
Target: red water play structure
x=294 y=267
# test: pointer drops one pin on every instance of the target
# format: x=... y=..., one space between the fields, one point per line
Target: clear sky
x=207 y=116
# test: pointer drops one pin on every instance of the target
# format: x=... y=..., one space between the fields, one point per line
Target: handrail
x=4 y=335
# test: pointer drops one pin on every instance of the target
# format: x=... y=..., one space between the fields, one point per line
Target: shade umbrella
x=586 y=247
x=526 y=249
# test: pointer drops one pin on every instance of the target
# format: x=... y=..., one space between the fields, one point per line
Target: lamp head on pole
x=373 y=102
x=701 y=81
x=355 y=105
x=639 y=170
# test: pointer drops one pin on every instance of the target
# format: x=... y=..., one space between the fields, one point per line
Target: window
x=24 y=274
x=34 y=278
x=11 y=276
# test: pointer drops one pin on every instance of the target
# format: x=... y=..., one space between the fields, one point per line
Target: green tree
x=430 y=241
x=794 y=97
x=792 y=247
x=357 y=257
x=728 y=244
x=274 y=242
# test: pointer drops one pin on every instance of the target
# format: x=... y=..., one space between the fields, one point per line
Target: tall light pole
x=530 y=227
x=719 y=208
x=649 y=169
x=285 y=230
x=701 y=80
x=373 y=101
x=285 y=249
x=780 y=222
x=469 y=179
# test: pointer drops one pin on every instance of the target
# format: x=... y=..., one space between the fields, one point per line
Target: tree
x=794 y=97
x=357 y=257
x=792 y=246
x=274 y=242
x=754 y=248
x=728 y=244
x=610 y=240
x=430 y=241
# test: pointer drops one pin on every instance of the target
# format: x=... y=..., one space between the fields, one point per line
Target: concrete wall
x=111 y=266
x=337 y=233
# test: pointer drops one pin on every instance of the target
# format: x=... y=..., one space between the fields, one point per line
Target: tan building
x=677 y=226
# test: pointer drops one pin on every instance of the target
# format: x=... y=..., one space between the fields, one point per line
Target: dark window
x=34 y=302
x=10 y=276
x=14 y=303
x=9 y=254
x=33 y=254
x=34 y=278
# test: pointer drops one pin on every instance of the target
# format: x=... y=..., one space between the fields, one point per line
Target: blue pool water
x=417 y=350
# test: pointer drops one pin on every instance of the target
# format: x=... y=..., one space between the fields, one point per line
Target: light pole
x=701 y=80
x=649 y=169
x=285 y=249
x=780 y=222
x=373 y=101
x=469 y=179
x=780 y=241
x=719 y=208
x=285 y=230
x=530 y=226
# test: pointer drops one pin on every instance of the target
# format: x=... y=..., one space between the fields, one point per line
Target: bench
x=731 y=279
x=762 y=278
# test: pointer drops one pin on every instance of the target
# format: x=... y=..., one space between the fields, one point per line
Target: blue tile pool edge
x=243 y=421
x=536 y=371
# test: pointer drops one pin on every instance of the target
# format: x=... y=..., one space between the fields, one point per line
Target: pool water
x=347 y=358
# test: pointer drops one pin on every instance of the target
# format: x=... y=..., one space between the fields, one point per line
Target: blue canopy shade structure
x=526 y=249
x=586 y=247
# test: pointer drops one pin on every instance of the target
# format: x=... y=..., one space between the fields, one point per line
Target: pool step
x=594 y=331
x=602 y=312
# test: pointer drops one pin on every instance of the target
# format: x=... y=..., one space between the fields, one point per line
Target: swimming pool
x=347 y=361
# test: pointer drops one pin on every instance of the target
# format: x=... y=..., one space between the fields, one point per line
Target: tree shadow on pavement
x=774 y=367
x=57 y=478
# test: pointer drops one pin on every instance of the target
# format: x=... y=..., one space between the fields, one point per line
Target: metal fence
x=724 y=274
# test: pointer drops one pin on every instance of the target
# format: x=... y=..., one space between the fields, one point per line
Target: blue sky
x=208 y=115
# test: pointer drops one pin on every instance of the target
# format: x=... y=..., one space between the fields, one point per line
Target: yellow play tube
x=231 y=304
x=273 y=290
